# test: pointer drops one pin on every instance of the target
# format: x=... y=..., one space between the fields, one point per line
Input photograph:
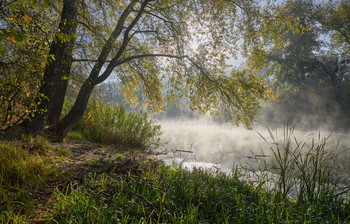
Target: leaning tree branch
x=108 y=45
x=126 y=40
x=87 y=60
x=344 y=35
x=236 y=4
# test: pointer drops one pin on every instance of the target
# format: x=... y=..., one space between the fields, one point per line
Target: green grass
x=103 y=123
x=24 y=165
x=161 y=194
x=130 y=188
x=75 y=135
x=135 y=189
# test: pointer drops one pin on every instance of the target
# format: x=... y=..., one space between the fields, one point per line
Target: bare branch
x=126 y=40
x=344 y=35
x=236 y=4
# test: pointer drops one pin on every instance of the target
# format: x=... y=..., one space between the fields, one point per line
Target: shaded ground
x=85 y=158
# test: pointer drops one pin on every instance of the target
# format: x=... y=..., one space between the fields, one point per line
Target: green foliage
x=75 y=135
x=103 y=123
x=159 y=194
x=335 y=18
x=25 y=35
x=303 y=46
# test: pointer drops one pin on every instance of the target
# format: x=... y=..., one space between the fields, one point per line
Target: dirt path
x=85 y=158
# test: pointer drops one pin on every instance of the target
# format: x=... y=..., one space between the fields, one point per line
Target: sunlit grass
x=162 y=194
x=24 y=165
x=75 y=135
x=103 y=123
x=128 y=187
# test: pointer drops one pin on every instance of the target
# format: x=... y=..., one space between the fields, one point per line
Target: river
x=208 y=145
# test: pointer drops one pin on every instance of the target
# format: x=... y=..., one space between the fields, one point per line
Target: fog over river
x=222 y=146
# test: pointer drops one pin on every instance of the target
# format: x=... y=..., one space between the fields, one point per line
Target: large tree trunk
x=57 y=69
x=61 y=129
x=56 y=105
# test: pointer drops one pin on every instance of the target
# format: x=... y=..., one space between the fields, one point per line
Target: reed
x=305 y=170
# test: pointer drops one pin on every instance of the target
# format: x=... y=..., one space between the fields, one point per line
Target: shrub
x=103 y=123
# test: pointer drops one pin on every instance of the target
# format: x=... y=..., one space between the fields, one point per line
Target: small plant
x=11 y=217
x=63 y=151
x=118 y=157
x=75 y=135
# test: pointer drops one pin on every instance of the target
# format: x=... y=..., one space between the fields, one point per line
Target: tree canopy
x=152 y=46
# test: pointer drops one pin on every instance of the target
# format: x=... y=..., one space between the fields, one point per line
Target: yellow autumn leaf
x=12 y=39
x=27 y=18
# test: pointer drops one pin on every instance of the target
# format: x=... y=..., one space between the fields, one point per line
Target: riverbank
x=82 y=182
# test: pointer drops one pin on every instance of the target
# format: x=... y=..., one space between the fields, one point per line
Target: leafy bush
x=103 y=123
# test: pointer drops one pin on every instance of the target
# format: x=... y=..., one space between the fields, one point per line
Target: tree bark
x=56 y=105
x=57 y=69
x=61 y=129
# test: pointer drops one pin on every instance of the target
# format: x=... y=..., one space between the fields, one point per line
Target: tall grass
x=23 y=163
x=167 y=195
x=103 y=123
x=163 y=195
x=305 y=169
x=23 y=167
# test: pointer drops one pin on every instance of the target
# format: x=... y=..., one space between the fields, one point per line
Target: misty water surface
x=227 y=146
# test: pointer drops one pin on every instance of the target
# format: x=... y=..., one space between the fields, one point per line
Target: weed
x=11 y=217
x=118 y=157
